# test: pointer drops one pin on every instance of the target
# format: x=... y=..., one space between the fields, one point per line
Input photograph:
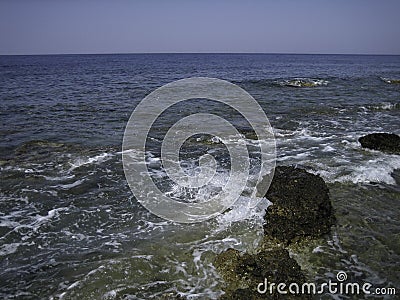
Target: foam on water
x=337 y=158
x=39 y=219
x=386 y=106
x=9 y=248
x=70 y=185
x=66 y=200
x=97 y=159
x=374 y=170
x=59 y=178
x=303 y=82
x=188 y=264
x=245 y=208
x=377 y=170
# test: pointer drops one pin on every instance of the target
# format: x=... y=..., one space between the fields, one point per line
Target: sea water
x=70 y=227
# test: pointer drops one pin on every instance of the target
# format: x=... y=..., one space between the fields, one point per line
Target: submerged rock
x=385 y=142
x=244 y=273
x=301 y=206
x=391 y=81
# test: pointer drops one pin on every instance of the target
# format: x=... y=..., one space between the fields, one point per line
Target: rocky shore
x=301 y=211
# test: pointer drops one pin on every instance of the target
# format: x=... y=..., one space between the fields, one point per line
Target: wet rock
x=251 y=135
x=301 y=211
x=391 y=81
x=243 y=273
x=301 y=206
x=385 y=142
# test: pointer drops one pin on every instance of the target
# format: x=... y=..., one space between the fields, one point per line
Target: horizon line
x=219 y=52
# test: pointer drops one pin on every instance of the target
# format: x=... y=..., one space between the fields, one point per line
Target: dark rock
x=385 y=142
x=241 y=294
x=301 y=206
x=244 y=272
x=391 y=81
x=251 y=135
x=301 y=210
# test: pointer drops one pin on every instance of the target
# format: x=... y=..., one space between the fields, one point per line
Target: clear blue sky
x=122 y=26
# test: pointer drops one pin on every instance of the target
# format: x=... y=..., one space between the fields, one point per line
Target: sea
x=71 y=227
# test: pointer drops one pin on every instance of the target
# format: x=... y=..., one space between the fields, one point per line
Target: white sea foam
x=328 y=149
x=299 y=156
x=388 y=106
x=39 y=219
x=244 y=208
x=100 y=158
x=59 y=178
x=318 y=249
x=9 y=248
x=8 y=223
x=69 y=185
x=384 y=106
x=110 y=295
x=73 y=285
x=374 y=170
x=303 y=82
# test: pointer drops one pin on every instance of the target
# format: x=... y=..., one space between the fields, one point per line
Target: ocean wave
x=377 y=170
x=336 y=158
x=53 y=213
x=384 y=106
x=303 y=82
x=26 y=224
x=374 y=170
x=301 y=133
x=97 y=159
x=69 y=185
x=9 y=248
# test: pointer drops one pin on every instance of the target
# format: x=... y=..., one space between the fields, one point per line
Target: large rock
x=301 y=209
x=244 y=272
x=301 y=206
x=385 y=142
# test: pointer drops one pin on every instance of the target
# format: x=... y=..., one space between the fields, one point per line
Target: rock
x=244 y=272
x=391 y=81
x=251 y=135
x=301 y=206
x=301 y=210
x=385 y=142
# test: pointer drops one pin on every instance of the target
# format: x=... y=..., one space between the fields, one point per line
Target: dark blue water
x=70 y=227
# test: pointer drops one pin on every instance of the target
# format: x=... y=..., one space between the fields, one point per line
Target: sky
x=154 y=26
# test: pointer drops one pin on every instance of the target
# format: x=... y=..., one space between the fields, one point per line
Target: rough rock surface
x=301 y=210
x=244 y=272
x=301 y=206
x=385 y=142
